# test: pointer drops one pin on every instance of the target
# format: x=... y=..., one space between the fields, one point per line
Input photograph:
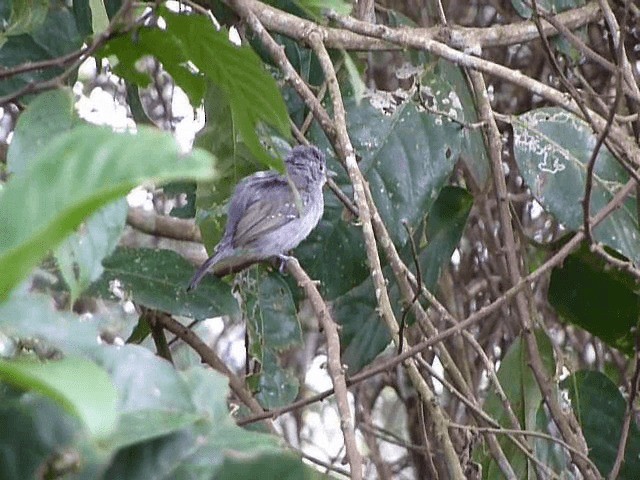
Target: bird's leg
x=283 y=261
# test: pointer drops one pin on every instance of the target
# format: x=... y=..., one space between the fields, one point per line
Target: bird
x=269 y=214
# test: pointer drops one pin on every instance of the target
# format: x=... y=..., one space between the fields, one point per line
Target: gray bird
x=270 y=214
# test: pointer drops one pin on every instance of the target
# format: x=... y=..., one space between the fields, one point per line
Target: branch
x=334 y=364
x=210 y=357
x=457 y=37
x=153 y=223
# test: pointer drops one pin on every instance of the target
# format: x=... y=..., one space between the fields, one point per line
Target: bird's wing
x=267 y=204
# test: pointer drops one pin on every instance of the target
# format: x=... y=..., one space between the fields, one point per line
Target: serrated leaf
x=604 y=302
x=158 y=279
x=552 y=148
x=78 y=173
x=600 y=409
x=80 y=386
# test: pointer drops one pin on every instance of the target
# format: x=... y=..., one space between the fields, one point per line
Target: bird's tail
x=202 y=271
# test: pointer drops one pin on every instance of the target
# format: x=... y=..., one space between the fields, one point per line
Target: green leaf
x=144 y=425
x=273 y=327
x=55 y=37
x=252 y=93
x=234 y=161
x=357 y=84
x=26 y=16
x=443 y=230
x=317 y=8
x=80 y=386
x=31 y=316
x=268 y=466
x=158 y=279
x=521 y=388
x=47 y=116
x=34 y=428
x=474 y=150
x=78 y=173
x=364 y=335
x=523 y=7
x=80 y=256
x=409 y=156
x=603 y=301
x=552 y=148
x=197 y=451
x=600 y=409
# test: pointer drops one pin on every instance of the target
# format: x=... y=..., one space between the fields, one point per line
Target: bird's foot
x=283 y=261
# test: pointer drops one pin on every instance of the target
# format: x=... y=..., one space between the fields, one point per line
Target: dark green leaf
x=364 y=335
x=603 y=301
x=26 y=16
x=53 y=38
x=78 y=173
x=521 y=388
x=474 y=151
x=31 y=316
x=33 y=429
x=523 y=7
x=268 y=466
x=600 y=409
x=273 y=327
x=552 y=148
x=80 y=386
x=252 y=93
x=158 y=279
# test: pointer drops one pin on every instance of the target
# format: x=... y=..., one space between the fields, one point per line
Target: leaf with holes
x=552 y=148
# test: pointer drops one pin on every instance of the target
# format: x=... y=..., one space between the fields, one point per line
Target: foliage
x=107 y=361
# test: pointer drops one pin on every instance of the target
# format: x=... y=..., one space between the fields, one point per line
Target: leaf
x=474 y=150
x=521 y=388
x=364 y=335
x=252 y=93
x=273 y=327
x=523 y=7
x=603 y=301
x=600 y=409
x=552 y=148
x=197 y=451
x=34 y=428
x=268 y=466
x=158 y=279
x=234 y=161
x=409 y=156
x=47 y=116
x=80 y=256
x=26 y=16
x=317 y=8
x=80 y=386
x=78 y=173
x=53 y=38
x=31 y=316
